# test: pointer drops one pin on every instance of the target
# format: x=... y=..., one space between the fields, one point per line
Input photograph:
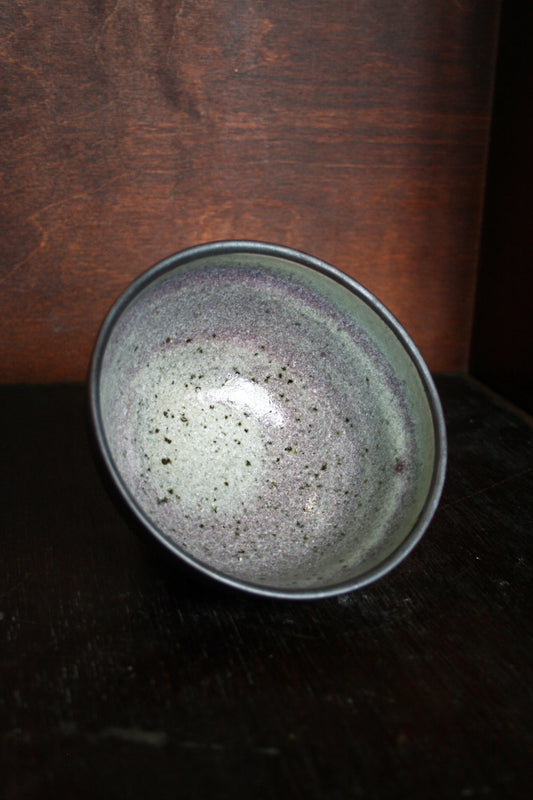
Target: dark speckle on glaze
x=260 y=427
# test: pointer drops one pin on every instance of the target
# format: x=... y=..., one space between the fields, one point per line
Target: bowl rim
x=253 y=247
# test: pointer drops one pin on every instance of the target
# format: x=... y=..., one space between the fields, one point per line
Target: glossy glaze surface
x=267 y=422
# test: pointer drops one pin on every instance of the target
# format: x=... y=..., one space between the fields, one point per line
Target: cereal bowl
x=267 y=420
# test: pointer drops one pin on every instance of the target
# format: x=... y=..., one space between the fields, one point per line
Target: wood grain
x=122 y=675
x=131 y=130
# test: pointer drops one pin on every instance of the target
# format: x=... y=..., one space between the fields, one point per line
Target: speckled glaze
x=268 y=420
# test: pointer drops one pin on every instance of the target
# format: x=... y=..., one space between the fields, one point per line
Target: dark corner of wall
x=502 y=337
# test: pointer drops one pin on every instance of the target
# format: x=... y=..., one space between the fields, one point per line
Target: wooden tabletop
x=125 y=675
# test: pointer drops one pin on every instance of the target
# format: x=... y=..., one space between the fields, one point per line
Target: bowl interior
x=265 y=421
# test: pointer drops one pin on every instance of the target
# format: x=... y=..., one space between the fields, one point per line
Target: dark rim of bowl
x=225 y=248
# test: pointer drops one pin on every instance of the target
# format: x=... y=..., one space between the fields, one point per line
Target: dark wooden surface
x=123 y=675
x=131 y=130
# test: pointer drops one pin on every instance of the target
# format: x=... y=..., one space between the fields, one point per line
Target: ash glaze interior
x=266 y=421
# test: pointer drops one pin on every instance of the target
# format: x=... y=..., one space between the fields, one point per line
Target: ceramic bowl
x=268 y=420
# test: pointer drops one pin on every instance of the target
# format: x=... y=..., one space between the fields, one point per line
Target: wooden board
x=131 y=130
x=123 y=675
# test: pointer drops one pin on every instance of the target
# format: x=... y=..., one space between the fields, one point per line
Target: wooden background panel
x=357 y=133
